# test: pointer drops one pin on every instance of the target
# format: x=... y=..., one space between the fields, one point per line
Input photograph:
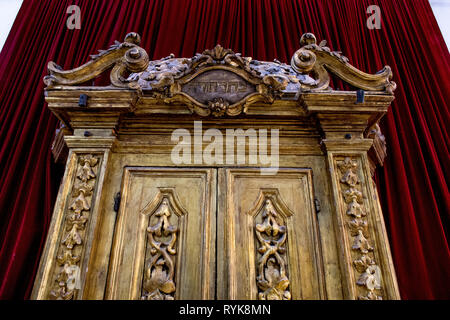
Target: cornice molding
x=218 y=82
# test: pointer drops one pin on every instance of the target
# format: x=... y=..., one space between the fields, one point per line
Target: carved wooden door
x=168 y=245
x=268 y=244
x=164 y=246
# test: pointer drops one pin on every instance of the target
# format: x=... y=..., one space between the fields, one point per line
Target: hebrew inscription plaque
x=215 y=84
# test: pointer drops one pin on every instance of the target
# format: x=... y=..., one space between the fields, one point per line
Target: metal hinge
x=317 y=205
x=117 y=202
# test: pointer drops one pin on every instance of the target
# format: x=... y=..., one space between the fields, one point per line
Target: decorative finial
x=133 y=38
x=303 y=61
x=307 y=38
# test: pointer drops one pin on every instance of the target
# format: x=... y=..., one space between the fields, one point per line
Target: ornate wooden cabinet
x=217 y=177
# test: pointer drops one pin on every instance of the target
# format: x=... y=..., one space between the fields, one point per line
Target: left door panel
x=164 y=241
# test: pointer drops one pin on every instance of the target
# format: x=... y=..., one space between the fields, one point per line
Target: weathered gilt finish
x=272 y=279
x=158 y=283
x=72 y=242
x=313 y=230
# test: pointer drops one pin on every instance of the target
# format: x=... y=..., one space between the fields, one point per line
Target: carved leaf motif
x=73 y=237
x=73 y=276
x=323 y=43
x=356 y=225
x=361 y=243
x=370 y=296
x=363 y=263
x=74 y=223
x=369 y=277
x=159 y=279
x=61 y=293
x=350 y=178
x=68 y=281
x=68 y=276
x=80 y=203
x=85 y=187
x=86 y=171
x=347 y=164
x=270 y=225
x=271 y=280
x=273 y=283
x=354 y=209
x=67 y=258
x=352 y=194
x=101 y=53
x=218 y=53
x=159 y=274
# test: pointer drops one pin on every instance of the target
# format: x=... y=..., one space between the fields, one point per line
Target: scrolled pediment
x=123 y=57
x=318 y=60
x=216 y=82
x=219 y=81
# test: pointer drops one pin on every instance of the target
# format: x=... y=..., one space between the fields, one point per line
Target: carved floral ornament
x=272 y=278
x=71 y=247
x=165 y=212
x=229 y=81
x=368 y=273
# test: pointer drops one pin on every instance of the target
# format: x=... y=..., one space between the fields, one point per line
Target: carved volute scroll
x=369 y=279
x=220 y=82
x=71 y=247
x=125 y=57
x=155 y=250
x=163 y=232
x=319 y=59
x=270 y=215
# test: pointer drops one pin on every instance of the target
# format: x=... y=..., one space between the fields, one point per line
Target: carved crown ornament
x=219 y=81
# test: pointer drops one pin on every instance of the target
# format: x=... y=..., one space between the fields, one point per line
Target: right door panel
x=268 y=243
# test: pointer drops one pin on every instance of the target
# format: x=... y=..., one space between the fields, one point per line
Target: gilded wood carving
x=217 y=82
x=123 y=57
x=71 y=247
x=271 y=233
x=357 y=225
x=319 y=59
x=272 y=277
x=334 y=246
x=159 y=273
x=220 y=82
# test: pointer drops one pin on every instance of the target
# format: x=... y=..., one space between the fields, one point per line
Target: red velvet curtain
x=413 y=184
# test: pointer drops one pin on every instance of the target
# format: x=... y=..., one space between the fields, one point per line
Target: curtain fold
x=412 y=185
